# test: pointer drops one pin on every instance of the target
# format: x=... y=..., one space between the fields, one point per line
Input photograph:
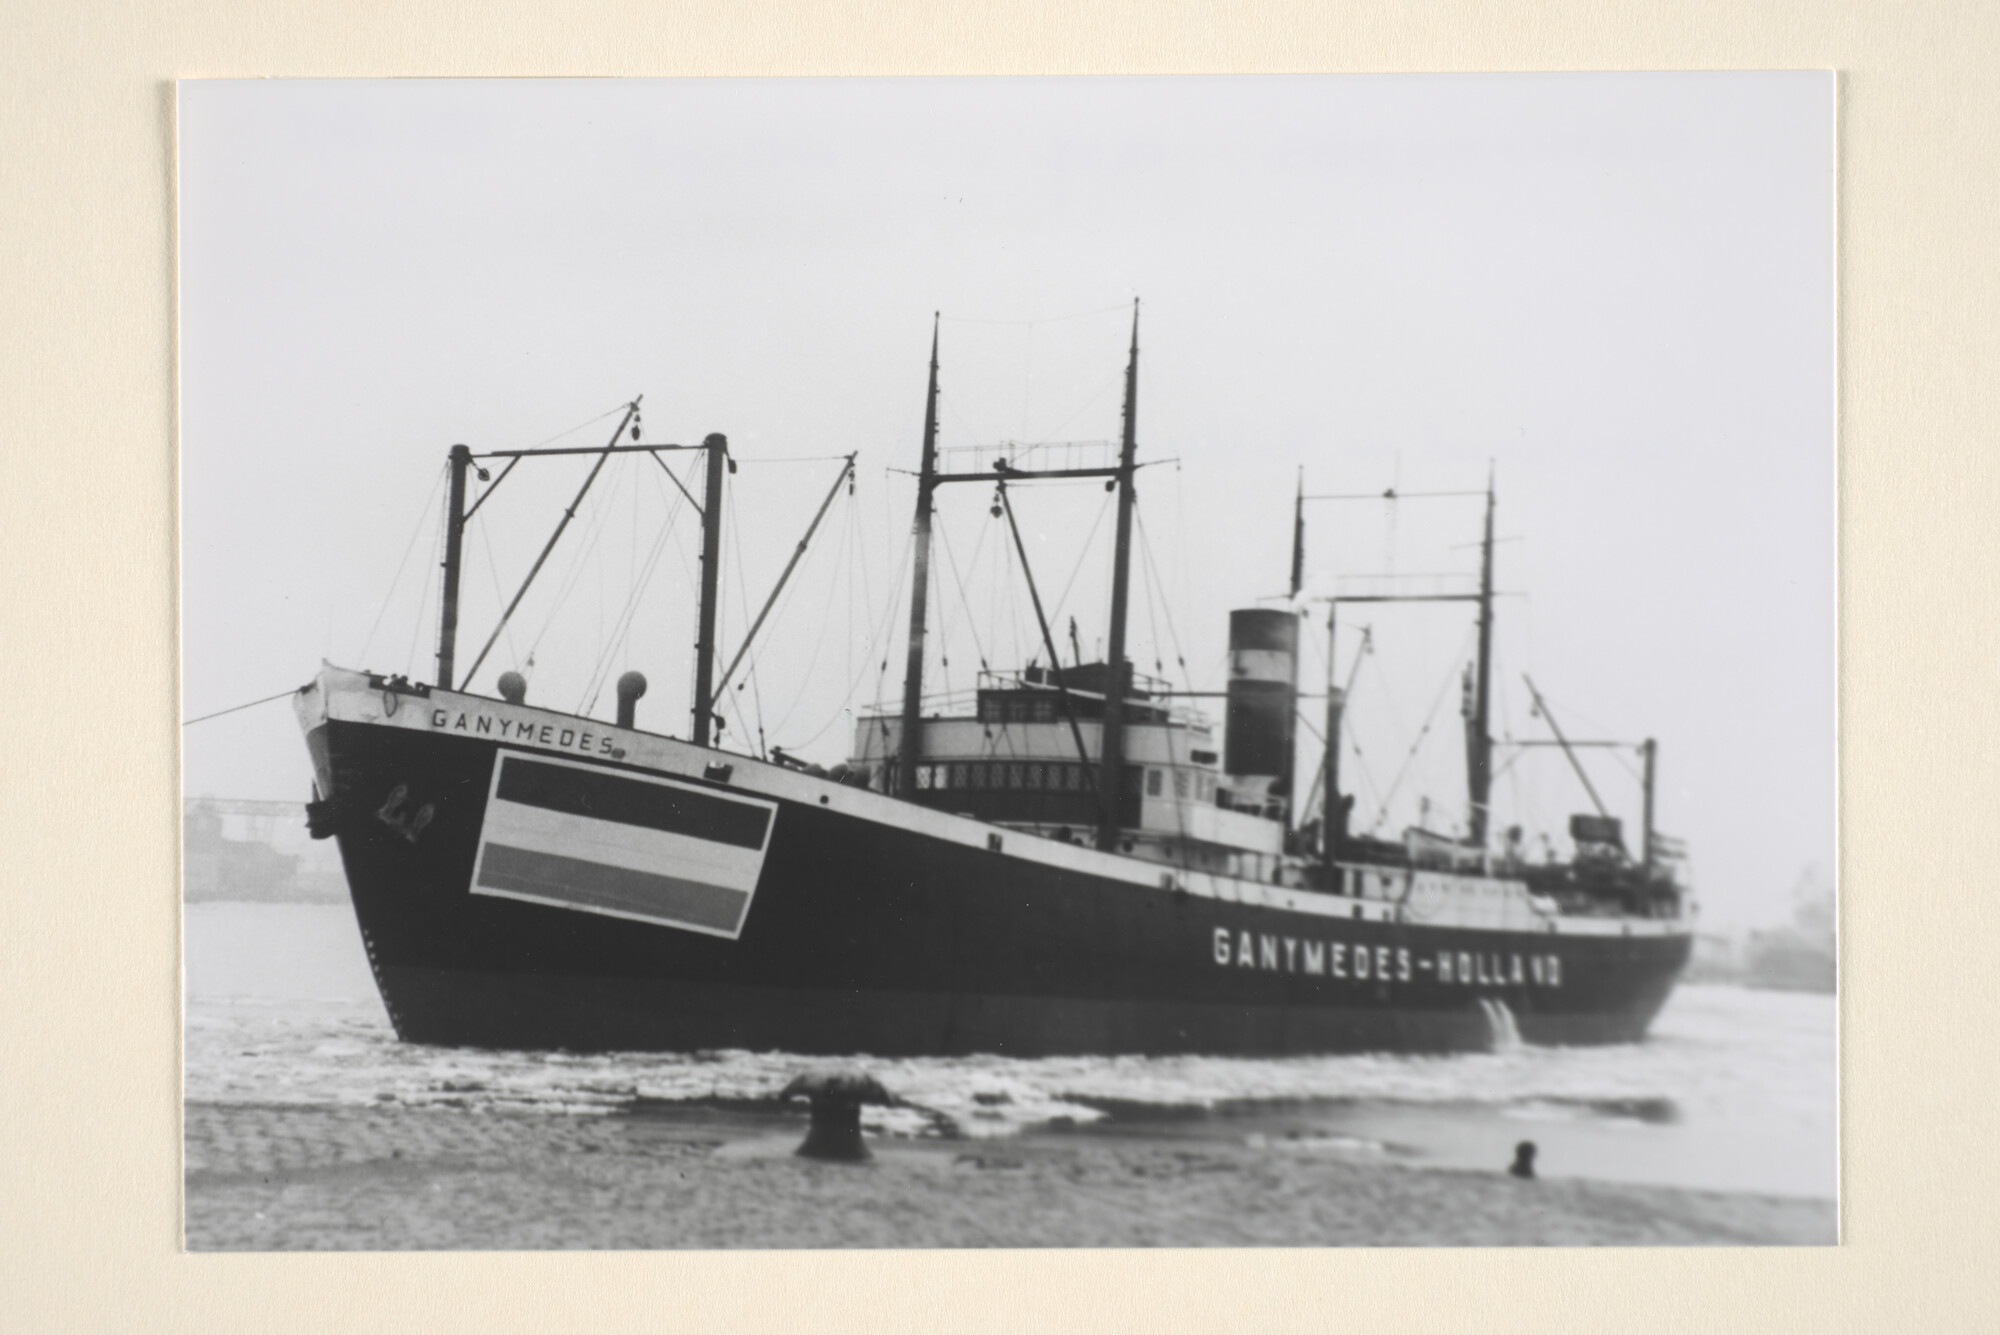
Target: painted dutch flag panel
x=630 y=846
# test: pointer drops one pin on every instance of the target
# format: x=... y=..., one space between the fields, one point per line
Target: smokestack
x=1262 y=700
x=1333 y=827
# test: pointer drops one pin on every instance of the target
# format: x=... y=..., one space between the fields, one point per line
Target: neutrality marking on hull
x=625 y=845
x=344 y=695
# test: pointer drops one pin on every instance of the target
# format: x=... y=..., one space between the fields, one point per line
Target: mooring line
x=233 y=708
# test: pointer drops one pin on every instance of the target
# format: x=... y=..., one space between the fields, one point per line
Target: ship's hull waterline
x=525 y=879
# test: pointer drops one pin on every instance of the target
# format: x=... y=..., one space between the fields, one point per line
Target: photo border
x=90 y=930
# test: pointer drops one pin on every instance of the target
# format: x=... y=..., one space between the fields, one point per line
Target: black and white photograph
x=1008 y=662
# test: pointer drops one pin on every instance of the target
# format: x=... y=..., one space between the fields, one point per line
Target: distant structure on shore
x=1801 y=955
x=254 y=851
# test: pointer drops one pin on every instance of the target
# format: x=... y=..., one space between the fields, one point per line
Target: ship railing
x=936 y=704
x=1037 y=678
x=1046 y=456
x=1408 y=584
x=965 y=703
x=1153 y=692
x=1428 y=848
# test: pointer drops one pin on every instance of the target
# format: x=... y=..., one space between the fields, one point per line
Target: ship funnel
x=630 y=687
x=1262 y=702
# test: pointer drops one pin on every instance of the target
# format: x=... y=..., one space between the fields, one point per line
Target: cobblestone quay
x=332 y=1178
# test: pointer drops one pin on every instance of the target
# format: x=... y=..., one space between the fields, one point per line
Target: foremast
x=715 y=450
x=1112 y=747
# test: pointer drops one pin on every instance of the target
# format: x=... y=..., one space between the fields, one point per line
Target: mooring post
x=836 y=1113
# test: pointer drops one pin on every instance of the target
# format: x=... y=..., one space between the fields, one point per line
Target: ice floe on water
x=1755 y=1069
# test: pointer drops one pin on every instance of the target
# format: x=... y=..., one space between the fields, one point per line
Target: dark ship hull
x=530 y=880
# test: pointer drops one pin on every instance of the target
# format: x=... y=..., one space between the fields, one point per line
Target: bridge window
x=1152 y=783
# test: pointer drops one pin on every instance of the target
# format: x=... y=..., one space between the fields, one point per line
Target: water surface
x=1733 y=1090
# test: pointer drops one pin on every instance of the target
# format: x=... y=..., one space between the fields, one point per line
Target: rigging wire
x=423 y=604
x=1095 y=397
x=881 y=629
x=1362 y=653
x=850 y=558
x=1146 y=549
x=610 y=412
x=861 y=564
x=825 y=623
x=1043 y=319
x=499 y=593
x=1524 y=812
x=1451 y=675
x=1367 y=774
x=743 y=600
x=593 y=529
x=614 y=646
x=951 y=406
x=621 y=629
x=203 y=718
x=1152 y=616
x=964 y=602
x=411 y=546
x=1004 y=603
x=602 y=582
x=1103 y=508
x=1618 y=758
x=1618 y=755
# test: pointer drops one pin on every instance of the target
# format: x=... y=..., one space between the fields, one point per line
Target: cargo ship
x=1075 y=862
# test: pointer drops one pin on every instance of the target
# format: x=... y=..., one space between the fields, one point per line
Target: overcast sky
x=1616 y=291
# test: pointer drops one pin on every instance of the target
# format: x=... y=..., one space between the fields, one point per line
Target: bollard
x=836 y=1112
x=1524 y=1160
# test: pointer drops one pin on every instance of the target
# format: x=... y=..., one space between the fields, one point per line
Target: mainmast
x=1110 y=783
x=1478 y=729
x=909 y=740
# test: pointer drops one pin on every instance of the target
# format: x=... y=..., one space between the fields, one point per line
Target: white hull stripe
x=630 y=846
x=549 y=878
